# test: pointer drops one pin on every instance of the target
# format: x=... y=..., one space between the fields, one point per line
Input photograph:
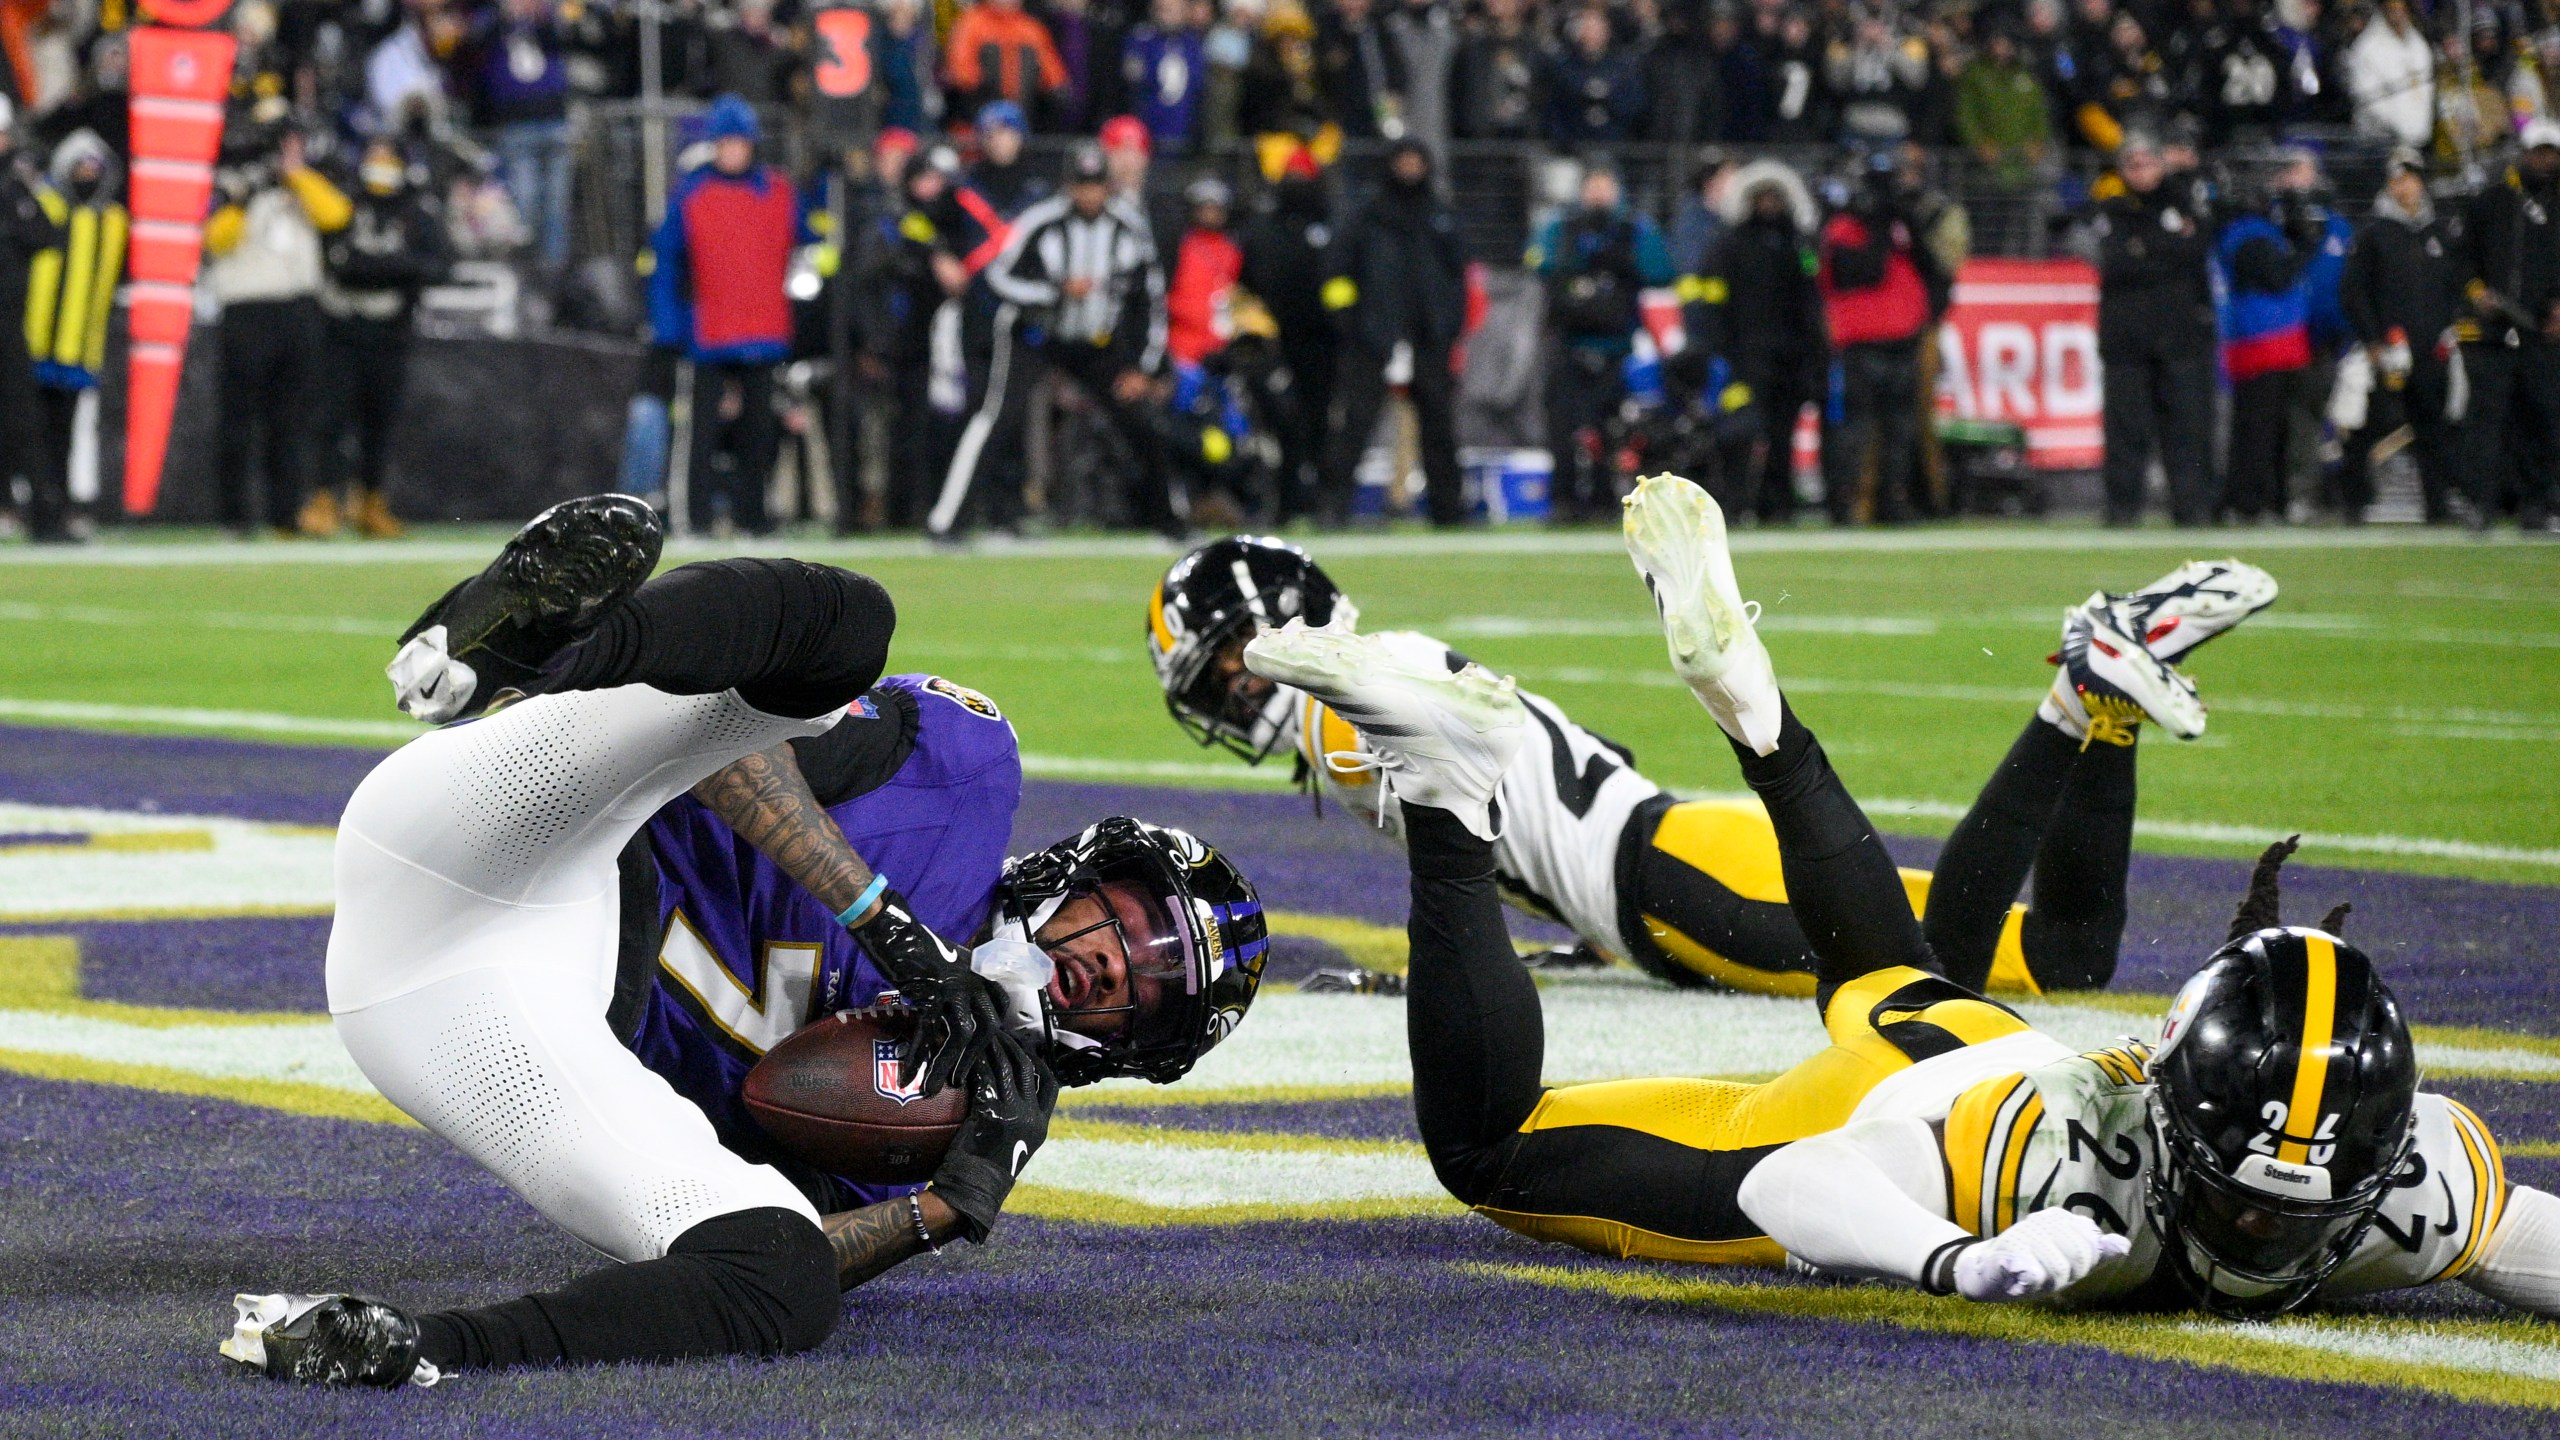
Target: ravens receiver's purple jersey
x=746 y=957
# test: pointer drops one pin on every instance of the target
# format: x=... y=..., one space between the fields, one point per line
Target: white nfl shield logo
x=884 y=1074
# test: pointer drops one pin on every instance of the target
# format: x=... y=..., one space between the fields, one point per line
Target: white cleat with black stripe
x=2190 y=605
x=1437 y=727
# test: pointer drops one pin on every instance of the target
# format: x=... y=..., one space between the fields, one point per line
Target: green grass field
x=2403 y=697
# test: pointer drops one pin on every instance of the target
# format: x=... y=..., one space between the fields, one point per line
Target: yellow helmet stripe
x=2311 y=1065
x=1155 y=621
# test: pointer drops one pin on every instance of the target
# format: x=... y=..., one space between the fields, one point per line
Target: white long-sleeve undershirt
x=1867 y=1200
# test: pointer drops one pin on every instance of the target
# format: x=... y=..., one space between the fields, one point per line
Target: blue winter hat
x=732 y=118
x=1001 y=112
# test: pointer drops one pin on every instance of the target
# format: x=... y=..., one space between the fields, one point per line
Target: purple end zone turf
x=133 y=1217
x=2460 y=952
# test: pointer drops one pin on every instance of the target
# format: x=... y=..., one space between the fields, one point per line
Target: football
x=830 y=1094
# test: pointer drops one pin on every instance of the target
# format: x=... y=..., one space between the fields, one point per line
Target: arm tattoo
x=767 y=801
x=870 y=1240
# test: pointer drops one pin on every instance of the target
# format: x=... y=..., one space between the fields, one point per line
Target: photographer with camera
x=1882 y=290
x=264 y=240
x=1595 y=261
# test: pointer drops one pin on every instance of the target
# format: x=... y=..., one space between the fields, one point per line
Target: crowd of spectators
x=373 y=141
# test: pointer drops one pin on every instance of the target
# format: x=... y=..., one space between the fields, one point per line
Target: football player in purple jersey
x=568 y=920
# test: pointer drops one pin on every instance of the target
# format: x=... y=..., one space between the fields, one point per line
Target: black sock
x=791 y=638
x=2076 y=924
x=756 y=1282
x=1472 y=1017
x=1985 y=860
x=1845 y=891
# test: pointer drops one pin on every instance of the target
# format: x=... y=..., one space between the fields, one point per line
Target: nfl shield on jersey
x=746 y=956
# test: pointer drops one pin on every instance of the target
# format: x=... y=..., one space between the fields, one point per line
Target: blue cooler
x=1520 y=487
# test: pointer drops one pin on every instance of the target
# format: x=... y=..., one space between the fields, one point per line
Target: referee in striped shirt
x=1078 y=290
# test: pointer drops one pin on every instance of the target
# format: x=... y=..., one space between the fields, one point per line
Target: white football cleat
x=1440 y=731
x=2110 y=684
x=2191 y=604
x=1675 y=536
x=429 y=683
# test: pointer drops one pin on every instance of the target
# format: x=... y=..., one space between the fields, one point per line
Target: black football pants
x=1478 y=1036
x=2066 y=811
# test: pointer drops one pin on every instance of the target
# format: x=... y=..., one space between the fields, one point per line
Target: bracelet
x=915 y=1211
x=862 y=902
x=1938 y=1272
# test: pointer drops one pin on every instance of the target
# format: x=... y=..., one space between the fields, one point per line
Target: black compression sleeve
x=1986 y=858
x=757 y=1282
x=2076 y=925
x=1471 y=1011
x=1842 y=885
x=791 y=638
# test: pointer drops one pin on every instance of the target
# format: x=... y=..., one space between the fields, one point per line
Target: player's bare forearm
x=874 y=1238
x=767 y=800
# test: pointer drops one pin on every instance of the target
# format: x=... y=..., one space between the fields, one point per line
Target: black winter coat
x=2404 y=274
x=1754 y=304
x=2155 y=289
x=1403 y=254
x=1286 y=259
x=2511 y=244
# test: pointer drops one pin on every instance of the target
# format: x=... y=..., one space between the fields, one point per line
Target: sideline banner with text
x=2020 y=344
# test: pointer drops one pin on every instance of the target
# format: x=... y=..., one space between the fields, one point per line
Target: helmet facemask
x=1209 y=604
x=2280 y=1109
x=2244 y=1251
x=1157 y=944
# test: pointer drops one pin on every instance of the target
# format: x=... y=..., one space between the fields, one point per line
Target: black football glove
x=958 y=1014
x=1010 y=1096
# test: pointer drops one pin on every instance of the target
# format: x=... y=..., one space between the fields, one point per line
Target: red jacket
x=1198 y=324
x=1864 y=306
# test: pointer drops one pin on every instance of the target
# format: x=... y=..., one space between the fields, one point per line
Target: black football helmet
x=1191 y=928
x=1218 y=594
x=2280 y=1110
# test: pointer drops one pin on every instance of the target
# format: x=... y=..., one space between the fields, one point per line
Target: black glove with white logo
x=1010 y=1096
x=958 y=1014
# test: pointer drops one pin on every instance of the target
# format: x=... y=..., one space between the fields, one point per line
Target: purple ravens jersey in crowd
x=745 y=956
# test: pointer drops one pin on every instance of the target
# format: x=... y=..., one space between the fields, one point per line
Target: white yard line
x=1079 y=767
x=475 y=552
x=191 y=718
x=210 y=619
x=2426 y=722
x=2402 y=1344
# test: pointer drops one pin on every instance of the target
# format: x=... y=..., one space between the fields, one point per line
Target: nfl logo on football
x=884 y=1074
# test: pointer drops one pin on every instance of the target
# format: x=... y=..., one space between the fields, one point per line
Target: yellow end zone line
x=2169 y=1338
x=1093 y=1209
x=325 y=1102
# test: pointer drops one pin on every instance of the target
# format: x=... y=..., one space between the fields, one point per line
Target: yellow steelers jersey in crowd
x=2071 y=1134
x=71 y=290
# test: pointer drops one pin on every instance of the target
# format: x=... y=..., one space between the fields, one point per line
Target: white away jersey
x=1565 y=800
x=2071 y=1134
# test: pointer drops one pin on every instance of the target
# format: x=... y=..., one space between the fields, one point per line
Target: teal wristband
x=862 y=902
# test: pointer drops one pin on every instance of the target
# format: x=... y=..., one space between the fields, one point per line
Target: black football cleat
x=1351 y=980
x=327 y=1340
x=493 y=633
